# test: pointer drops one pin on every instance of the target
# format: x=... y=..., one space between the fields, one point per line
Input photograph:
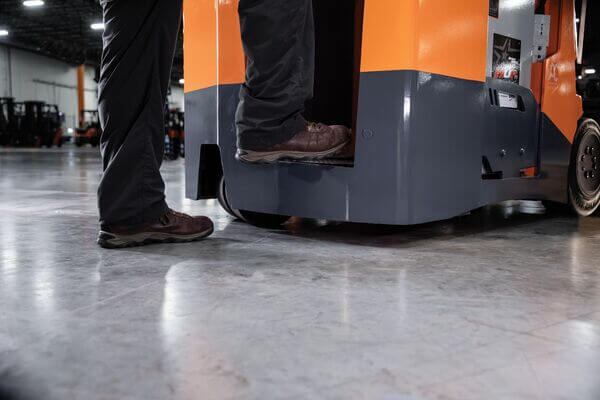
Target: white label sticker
x=507 y=100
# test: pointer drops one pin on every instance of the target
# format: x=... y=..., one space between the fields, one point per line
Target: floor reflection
x=496 y=303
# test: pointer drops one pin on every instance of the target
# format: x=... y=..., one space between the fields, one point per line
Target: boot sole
x=109 y=240
x=273 y=156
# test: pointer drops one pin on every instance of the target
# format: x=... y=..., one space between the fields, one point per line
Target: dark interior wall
x=335 y=61
x=591 y=50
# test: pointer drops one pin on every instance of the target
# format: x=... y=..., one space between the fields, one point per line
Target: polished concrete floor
x=501 y=304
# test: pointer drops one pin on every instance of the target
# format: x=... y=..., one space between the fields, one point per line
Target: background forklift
x=51 y=126
x=8 y=121
x=90 y=131
x=30 y=124
x=454 y=105
x=31 y=132
x=174 y=134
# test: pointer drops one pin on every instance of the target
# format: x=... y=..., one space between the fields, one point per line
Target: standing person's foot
x=173 y=227
x=315 y=142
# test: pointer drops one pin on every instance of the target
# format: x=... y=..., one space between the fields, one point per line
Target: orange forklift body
x=450 y=108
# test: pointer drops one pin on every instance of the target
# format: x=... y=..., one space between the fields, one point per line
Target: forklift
x=16 y=124
x=52 y=121
x=35 y=124
x=453 y=105
x=181 y=127
x=174 y=134
x=7 y=120
x=32 y=124
x=90 y=131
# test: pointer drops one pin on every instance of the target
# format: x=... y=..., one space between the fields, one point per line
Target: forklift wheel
x=584 y=172
x=553 y=207
x=222 y=197
x=263 y=220
x=251 y=217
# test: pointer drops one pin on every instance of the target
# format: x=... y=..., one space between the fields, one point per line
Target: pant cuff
x=259 y=140
x=149 y=215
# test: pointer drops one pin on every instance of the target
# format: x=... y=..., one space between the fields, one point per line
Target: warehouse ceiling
x=61 y=29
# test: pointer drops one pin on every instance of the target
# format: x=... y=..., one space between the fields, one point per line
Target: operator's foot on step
x=173 y=227
x=315 y=142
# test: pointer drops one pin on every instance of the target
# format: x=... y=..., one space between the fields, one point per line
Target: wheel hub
x=588 y=165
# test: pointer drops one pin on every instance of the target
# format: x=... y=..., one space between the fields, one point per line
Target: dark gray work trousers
x=139 y=43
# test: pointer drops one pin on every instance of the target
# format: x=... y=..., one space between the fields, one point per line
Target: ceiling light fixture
x=3 y=32
x=97 y=26
x=589 y=71
x=33 y=3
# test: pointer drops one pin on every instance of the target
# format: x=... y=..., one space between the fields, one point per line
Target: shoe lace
x=166 y=218
x=315 y=127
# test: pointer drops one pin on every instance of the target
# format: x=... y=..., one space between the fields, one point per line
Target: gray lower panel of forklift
x=420 y=142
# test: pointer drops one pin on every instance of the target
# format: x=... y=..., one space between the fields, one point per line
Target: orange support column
x=80 y=94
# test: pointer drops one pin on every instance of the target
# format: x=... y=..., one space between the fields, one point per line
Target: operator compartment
x=338 y=29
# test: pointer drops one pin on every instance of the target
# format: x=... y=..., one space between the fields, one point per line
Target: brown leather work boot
x=173 y=227
x=315 y=142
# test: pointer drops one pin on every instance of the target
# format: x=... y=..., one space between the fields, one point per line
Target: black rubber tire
x=250 y=217
x=263 y=220
x=553 y=207
x=222 y=198
x=584 y=170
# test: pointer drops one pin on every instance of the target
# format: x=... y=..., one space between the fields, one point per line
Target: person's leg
x=279 y=43
x=139 y=44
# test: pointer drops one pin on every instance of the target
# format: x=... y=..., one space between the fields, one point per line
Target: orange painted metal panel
x=231 y=54
x=443 y=37
x=448 y=38
x=199 y=44
x=389 y=28
x=213 y=51
x=560 y=101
